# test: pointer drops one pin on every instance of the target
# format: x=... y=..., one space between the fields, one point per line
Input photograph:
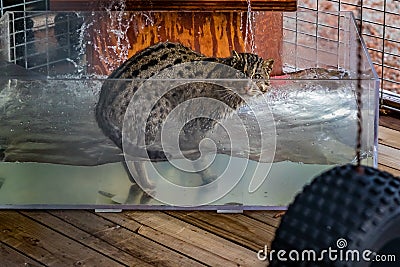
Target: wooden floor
x=137 y=238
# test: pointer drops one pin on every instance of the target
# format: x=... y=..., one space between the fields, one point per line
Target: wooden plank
x=266 y=5
x=83 y=237
x=390 y=122
x=45 y=245
x=126 y=239
x=9 y=257
x=389 y=170
x=269 y=217
x=389 y=137
x=268 y=29
x=214 y=34
x=237 y=228
x=389 y=156
x=190 y=240
x=164 y=237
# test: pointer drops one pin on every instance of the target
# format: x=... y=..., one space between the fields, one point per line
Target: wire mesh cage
x=25 y=27
x=318 y=39
x=22 y=5
x=381 y=33
x=39 y=41
x=20 y=27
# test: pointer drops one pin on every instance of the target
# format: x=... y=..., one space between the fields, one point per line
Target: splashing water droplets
x=149 y=18
x=81 y=45
x=249 y=33
x=120 y=22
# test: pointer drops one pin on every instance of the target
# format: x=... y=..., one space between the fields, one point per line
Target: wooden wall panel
x=213 y=34
x=265 y=5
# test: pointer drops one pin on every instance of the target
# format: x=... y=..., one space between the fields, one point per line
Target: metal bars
x=22 y=5
x=381 y=32
x=21 y=27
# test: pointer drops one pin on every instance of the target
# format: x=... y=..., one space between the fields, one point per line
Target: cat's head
x=254 y=66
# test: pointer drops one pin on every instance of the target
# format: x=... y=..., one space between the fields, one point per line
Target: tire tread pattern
x=344 y=202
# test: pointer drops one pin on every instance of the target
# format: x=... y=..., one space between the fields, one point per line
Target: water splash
x=149 y=17
x=249 y=32
x=82 y=44
x=120 y=22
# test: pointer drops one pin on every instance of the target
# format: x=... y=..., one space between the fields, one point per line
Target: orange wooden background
x=212 y=33
x=222 y=5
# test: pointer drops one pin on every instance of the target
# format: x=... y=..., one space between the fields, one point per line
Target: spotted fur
x=121 y=85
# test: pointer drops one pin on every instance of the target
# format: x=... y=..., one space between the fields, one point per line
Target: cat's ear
x=235 y=54
x=268 y=64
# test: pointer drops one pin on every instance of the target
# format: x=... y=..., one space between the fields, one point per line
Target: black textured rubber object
x=350 y=209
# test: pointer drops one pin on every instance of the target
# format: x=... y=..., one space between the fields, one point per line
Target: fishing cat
x=123 y=83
